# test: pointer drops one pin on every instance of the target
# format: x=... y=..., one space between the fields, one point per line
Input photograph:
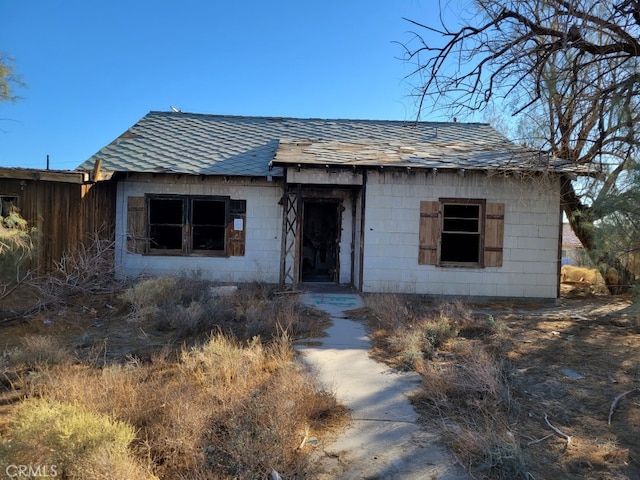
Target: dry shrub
x=263 y=429
x=482 y=326
x=70 y=439
x=407 y=346
x=105 y=464
x=468 y=392
x=18 y=245
x=456 y=318
x=86 y=270
x=463 y=385
x=437 y=331
x=489 y=451
x=472 y=376
x=221 y=410
x=148 y=297
x=182 y=303
x=186 y=305
x=390 y=311
x=259 y=311
x=410 y=333
x=392 y=319
x=37 y=351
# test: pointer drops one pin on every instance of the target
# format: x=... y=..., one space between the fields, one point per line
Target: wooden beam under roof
x=44 y=175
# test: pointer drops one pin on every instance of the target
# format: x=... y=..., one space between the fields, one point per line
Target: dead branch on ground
x=540 y=440
x=558 y=431
x=617 y=400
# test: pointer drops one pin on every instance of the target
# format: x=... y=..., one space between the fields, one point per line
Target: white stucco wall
x=261 y=261
x=531 y=230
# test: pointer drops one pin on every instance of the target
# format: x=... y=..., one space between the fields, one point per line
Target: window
x=461 y=232
x=7 y=205
x=186 y=225
x=208 y=224
x=166 y=221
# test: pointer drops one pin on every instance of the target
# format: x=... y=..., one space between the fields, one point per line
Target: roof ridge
x=311 y=119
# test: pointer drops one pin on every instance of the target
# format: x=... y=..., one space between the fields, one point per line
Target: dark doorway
x=320 y=236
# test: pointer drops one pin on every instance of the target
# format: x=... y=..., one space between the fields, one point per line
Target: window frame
x=9 y=201
x=187 y=225
x=479 y=233
x=492 y=233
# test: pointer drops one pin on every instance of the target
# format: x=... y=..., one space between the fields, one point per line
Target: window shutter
x=493 y=234
x=236 y=237
x=137 y=241
x=429 y=233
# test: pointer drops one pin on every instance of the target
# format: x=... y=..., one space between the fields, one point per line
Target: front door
x=320 y=241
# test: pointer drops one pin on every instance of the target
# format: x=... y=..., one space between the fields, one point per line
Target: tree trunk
x=617 y=281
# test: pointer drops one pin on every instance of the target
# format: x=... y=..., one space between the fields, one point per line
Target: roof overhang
x=503 y=158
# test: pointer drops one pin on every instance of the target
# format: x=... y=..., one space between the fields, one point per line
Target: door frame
x=336 y=220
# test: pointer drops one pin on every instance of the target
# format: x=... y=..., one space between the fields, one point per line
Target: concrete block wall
x=261 y=261
x=530 y=255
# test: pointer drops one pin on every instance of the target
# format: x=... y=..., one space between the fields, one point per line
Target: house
x=68 y=209
x=385 y=206
x=573 y=252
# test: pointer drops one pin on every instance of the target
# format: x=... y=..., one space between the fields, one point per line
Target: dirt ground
x=93 y=327
x=575 y=367
x=567 y=367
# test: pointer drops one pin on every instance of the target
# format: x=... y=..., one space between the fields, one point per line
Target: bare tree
x=9 y=80
x=571 y=64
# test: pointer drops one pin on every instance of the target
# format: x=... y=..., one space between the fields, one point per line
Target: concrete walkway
x=384 y=440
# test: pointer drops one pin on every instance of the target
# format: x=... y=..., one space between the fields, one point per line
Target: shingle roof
x=176 y=142
x=569 y=239
x=491 y=154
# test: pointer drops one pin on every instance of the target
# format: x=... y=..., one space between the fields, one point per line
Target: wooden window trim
x=491 y=239
x=138 y=226
x=187 y=226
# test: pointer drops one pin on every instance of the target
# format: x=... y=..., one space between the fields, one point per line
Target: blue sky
x=93 y=68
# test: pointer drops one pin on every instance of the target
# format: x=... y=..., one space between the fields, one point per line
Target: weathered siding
x=391 y=236
x=261 y=259
x=64 y=214
x=98 y=211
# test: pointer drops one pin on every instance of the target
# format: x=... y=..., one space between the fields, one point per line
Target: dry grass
x=36 y=351
x=225 y=409
x=464 y=385
x=186 y=306
x=492 y=380
x=224 y=398
x=407 y=332
x=468 y=393
x=209 y=384
x=71 y=441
